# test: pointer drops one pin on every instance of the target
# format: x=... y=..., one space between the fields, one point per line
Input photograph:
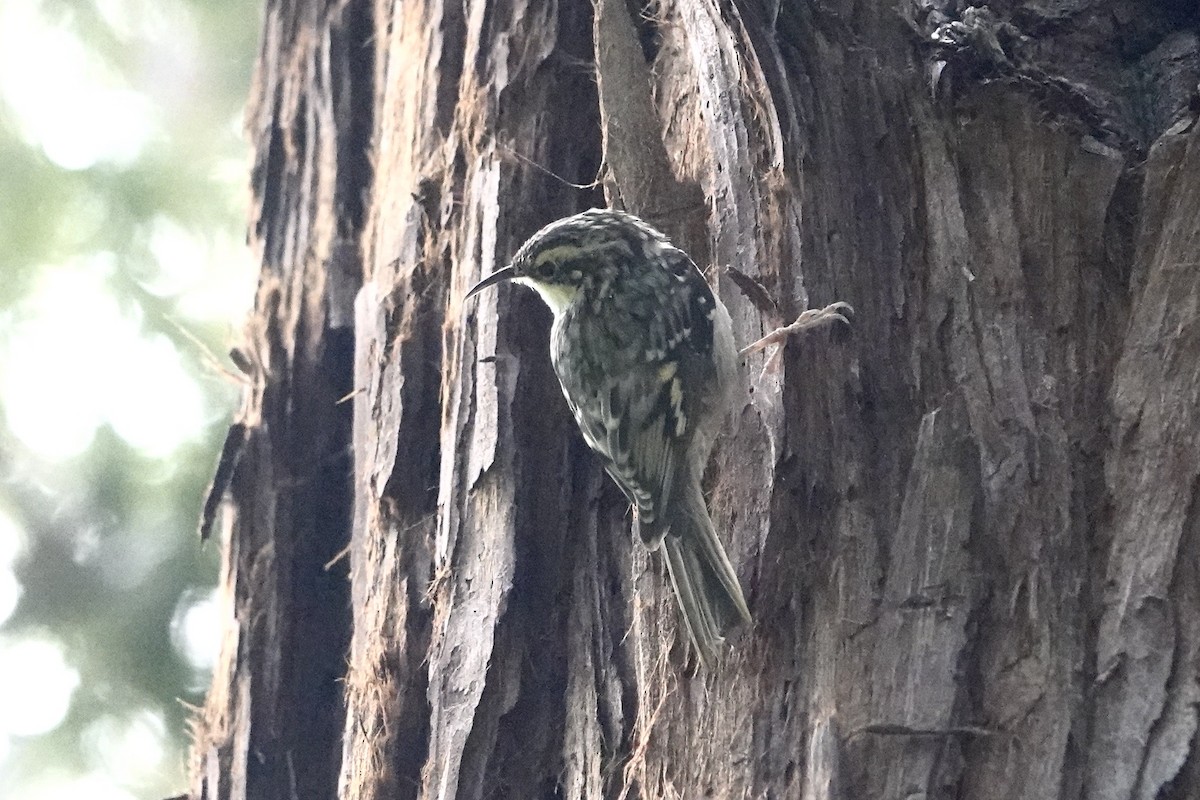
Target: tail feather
x=706 y=586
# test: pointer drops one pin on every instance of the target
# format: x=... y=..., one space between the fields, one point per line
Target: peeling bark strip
x=969 y=533
x=271 y=725
x=1142 y=734
x=439 y=704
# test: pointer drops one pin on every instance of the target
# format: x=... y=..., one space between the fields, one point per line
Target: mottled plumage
x=645 y=355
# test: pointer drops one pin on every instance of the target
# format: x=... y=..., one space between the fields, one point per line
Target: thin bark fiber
x=969 y=532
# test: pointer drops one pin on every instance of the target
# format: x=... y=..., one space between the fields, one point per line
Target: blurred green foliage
x=107 y=557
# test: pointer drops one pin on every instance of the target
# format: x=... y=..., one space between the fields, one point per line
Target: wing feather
x=625 y=380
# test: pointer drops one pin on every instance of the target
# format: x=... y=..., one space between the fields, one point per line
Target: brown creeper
x=645 y=354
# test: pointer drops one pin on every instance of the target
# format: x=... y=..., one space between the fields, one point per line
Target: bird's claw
x=814 y=317
x=834 y=312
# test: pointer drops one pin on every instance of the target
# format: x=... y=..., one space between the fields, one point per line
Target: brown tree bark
x=969 y=532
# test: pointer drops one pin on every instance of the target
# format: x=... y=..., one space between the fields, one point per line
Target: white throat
x=556 y=295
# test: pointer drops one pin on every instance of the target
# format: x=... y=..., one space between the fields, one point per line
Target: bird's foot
x=813 y=318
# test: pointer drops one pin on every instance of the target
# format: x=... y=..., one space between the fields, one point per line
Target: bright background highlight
x=124 y=278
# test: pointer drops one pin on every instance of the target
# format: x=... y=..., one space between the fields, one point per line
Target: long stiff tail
x=705 y=584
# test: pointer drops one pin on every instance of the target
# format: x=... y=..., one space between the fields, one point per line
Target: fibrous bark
x=272 y=722
x=968 y=532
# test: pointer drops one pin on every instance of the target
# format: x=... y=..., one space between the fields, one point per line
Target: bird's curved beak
x=505 y=274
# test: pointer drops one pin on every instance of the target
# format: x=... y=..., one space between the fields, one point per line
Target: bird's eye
x=545 y=270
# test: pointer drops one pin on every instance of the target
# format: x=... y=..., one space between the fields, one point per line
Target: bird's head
x=587 y=251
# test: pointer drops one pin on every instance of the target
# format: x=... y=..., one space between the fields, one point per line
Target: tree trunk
x=969 y=532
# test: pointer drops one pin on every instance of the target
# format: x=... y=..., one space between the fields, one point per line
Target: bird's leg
x=814 y=317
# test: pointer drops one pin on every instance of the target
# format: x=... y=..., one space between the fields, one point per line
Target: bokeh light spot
x=94 y=118
x=209 y=273
x=130 y=747
x=13 y=541
x=196 y=628
x=75 y=360
x=155 y=405
x=36 y=685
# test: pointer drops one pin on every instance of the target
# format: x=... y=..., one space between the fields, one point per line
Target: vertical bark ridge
x=273 y=719
x=967 y=530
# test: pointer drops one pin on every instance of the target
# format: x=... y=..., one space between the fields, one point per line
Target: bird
x=645 y=355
